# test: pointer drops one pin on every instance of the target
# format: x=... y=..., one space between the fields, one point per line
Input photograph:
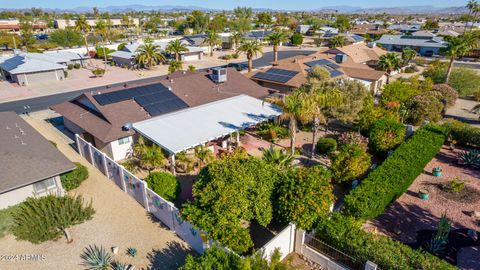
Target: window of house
x=123 y=140
x=44 y=185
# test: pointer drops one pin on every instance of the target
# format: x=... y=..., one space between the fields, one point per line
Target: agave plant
x=96 y=258
x=440 y=239
x=470 y=158
x=277 y=157
x=132 y=251
x=119 y=266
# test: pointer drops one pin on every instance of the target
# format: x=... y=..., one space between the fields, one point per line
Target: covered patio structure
x=185 y=129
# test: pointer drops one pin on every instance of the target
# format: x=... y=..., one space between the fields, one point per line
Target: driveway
x=119 y=221
x=461 y=111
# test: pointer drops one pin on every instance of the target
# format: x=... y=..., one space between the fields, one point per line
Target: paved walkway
x=119 y=221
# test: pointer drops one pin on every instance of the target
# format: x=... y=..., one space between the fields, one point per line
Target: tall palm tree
x=236 y=38
x=337 y=41
x=82 y=26
x=149 y=55
x=459 y=46
x=408 y=55
x=388 y=63
x=293 y=107
x=250 y=48
x=176 y=47
x=276 y=38
x=472 y=7
x=211 y=40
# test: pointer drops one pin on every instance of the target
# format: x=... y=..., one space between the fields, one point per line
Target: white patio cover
x=182 y=130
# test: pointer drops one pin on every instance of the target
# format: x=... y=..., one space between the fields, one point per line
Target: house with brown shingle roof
x=354 y=61
x=372 y=30
x=104 y=118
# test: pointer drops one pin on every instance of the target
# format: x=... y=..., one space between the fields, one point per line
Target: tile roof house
x=26 y=68
x=29 y=164
x=102 y=118
x=423 y=45
x=372 y=30
x=348 y=62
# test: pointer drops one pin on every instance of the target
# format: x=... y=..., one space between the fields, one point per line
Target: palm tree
x=293 y=107
x=152 y=158
x=388 y=63
x=250 y=48
x=82 y=26
x=176 y=47
x=457 y=47
x=211 y=40
x=472 y=7
x=149 y=55
x=236 y=38
x=185 y=162
x=337 y=41
x=204 y=155
x=278 y=157
x=408 y=55
x=140 y=147
x=276 y=38
x=174 y=66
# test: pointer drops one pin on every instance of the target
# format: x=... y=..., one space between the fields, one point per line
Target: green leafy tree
x=351 y=162
x=250 y=48
x=176 y=47
x=427 y=106
x=74 y=179
x=164 y=184
x=430 y=25
x=386 y=134
x=342 y=23
x=337 y=41
x=242 y=21
x=389 y=62
x=212 y=39
x=305 y=195
x=276 y=38
x=218 y=23
x=296 y=39
x=66 y=37
x=264 y=19
x=149 y=55
x=26 y=33
x=228 y=193
x=9 y=40
x=47 y=218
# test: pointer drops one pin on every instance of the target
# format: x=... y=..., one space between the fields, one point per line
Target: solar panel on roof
x=320 y=62
x=335 y=73
x=282 y=72
x=333 y=65
x=357 y=38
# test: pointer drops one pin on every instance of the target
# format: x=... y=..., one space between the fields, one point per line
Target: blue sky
x=221 y=4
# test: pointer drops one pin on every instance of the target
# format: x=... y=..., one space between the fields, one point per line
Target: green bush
x=272 y=132
x=6 y=219
x=164 y=184
x=76 y=66
x=70 y=66
x=351 y=162
x=425 y=107
x=297 y=39
x=304 y=195
x=463 y=133
x=235 y=55
x=74 y=179
x=98 y=72
x=48 y=218
x=346 y=234
x=447 y=93
x=396 y=174
x=410 y=70
x=386 y=134
x=326 y=146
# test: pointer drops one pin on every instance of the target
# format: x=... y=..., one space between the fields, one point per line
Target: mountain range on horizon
x=426 y=9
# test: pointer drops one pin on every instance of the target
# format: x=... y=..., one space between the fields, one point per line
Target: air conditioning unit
x=219 y=75
x=341 y=58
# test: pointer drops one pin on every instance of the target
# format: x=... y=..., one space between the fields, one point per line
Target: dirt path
x=119 y=221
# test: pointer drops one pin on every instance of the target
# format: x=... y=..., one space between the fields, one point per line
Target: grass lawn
x=6 y=219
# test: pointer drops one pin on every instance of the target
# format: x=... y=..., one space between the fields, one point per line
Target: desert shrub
x=76 y=66
x=410 y=70
x=235 y=55
x=296 y=39
x=456 y=185
x=70 y=66
x=350 y=163
x=425 y=107
x=386 y=134
x=447 y=93
x=301 y=185
x=48 y=218
x=464 y=134
x=353 y=138
x=98 y=72
x=346 y=234
x=396 y=174
x=272 y=132
x=326 y=146
x=227 y=57
x=74 y=179
x=465 y=81
x=164 y=184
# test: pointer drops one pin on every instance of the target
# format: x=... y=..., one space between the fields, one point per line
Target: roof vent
x=219 y=75
x=127 y=126
x=170 y=88
x=341 y=58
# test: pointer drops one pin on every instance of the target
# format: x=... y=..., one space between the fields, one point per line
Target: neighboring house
x=115 y=22
x=257 y=35
x=27 y=68
x=303 y=28
x=405 y=28
x=29 y=164
x=126 y=56
x=349 y=38
x=423 y=45
x=347 y=62
x=372 y=30
x=14 y=26
x=104 y=118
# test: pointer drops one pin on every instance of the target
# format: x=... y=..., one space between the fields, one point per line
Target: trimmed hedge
x=395 y=175
x=385 y=135
x=326 y=146
x=164 y=184
x=345 y=234
x=74 y=179
x=463 y=133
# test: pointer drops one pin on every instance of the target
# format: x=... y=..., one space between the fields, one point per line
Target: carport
x=188 y=128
